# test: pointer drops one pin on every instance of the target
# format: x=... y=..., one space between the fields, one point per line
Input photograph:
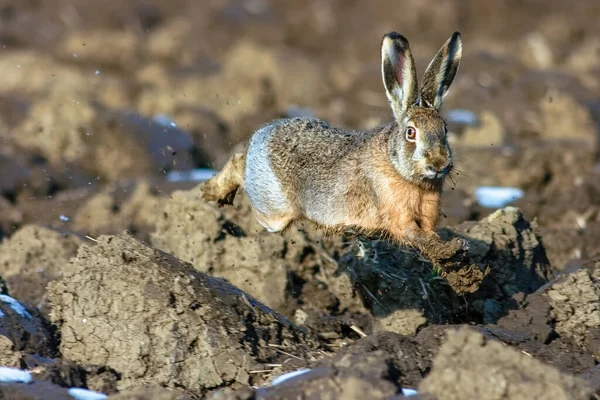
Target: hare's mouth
x=434 y=173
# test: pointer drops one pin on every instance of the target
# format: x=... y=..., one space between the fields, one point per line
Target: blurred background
x=103 y=102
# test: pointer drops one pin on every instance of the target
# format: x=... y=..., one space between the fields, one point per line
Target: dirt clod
x=149 y=314
x=469 y=366
x=509 y=245
x=575 y=302
x=348 y=376
x=68 y=374
x=23 y=331
x=31 y=258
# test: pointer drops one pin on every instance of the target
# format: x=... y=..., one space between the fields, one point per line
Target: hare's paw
x=455 y=249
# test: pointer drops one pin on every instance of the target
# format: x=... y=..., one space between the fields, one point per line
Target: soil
x=467 y=362
x=117 y=279
x=180 y=328
x=24 y=331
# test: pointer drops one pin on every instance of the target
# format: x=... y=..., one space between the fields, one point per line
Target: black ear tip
x=456 y=35
x=393 y=35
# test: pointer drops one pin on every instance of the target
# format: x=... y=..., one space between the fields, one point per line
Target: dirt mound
x=155 y=319
x=408 y=356
x=44 y=390
x=468 y=366
x=31 y=258
x=565 y=309
x=348 y=376
x=569 y=217
x=156 y=393
x=34 y=391
x=101 y=142
x=23 y=331
x=134 y=205
x=68 y=374
x=303 y=274
x=511 y=247
x=229 y=244
x=395 y=278
x=124 y=205
x=575 y=304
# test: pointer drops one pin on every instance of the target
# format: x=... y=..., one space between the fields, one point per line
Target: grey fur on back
x=307 y=162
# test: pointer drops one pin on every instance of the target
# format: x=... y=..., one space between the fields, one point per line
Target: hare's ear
x=441 y=72
x=399 y=74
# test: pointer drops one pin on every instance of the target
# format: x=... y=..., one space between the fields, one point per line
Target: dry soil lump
x=156 y=320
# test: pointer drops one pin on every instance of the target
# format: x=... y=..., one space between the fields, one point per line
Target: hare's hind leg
x=223 y=186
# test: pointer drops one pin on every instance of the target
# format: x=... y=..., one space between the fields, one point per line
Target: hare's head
x=419 y=148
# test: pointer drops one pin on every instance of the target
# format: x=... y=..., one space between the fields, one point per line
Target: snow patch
x=15 y=305
x=463 y=117
x=497 y=197
x=284 y=377
x=14 y=375
x=194 y=175
x=165 y=121
x=288 y=375
x=84 y=394
x=409 y=392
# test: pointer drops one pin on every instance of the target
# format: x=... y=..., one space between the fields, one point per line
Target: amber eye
x=411 y=134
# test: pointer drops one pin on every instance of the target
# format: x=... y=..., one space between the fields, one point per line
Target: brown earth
x=134 y=287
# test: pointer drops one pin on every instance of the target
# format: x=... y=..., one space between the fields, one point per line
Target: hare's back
x=291 y=159
x=304 y=145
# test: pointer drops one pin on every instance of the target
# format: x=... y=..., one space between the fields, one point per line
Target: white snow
x=14 y=375
x=288 y=375
x=165 y=121
x=194 y=175
x=284 y=377
x=459 y=116
x=84 y=394
x=496 y=197
x=15 y=305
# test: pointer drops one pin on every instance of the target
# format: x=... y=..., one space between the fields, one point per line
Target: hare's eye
x=445 y=130
x=411 y=134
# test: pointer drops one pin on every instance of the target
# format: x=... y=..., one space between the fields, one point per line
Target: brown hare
x=387 y=179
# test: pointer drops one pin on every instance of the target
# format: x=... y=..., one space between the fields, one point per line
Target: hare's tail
x=223 y=186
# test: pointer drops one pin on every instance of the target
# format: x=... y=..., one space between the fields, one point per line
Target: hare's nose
x=446 y=169
x=440 y=171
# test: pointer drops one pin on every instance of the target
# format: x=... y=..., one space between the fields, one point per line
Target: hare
x=388 y=179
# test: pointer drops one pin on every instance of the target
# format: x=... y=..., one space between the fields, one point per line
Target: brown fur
x=368 y=181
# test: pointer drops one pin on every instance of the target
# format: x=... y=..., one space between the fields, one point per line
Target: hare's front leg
x=430 y=212
x=436 y=249
x=427 y=242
